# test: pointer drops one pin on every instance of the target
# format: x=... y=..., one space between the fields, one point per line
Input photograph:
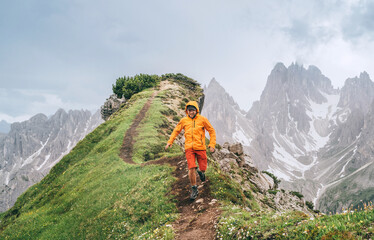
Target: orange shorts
x=200 y=155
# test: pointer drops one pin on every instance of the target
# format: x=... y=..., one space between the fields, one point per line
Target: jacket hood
x=192 y=103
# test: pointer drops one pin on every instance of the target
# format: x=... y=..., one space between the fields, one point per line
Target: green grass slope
x=91 y=193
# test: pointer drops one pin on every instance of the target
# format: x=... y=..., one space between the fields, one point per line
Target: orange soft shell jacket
x=194 y=130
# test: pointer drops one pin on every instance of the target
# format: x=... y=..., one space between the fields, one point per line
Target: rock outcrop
x=240 y=167
x=110 y=106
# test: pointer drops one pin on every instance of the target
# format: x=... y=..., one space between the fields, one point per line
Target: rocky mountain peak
x=357 y=92
x=296 y=67
x=220 y=92
x=296 y=82
x=314 y=69
x=38 y=118
x=311 y=78
x=225 y=114
x=362 y=81
x=34 y=146
x=288 y=95
x=60 y=114
x=279 y=67
x=214 y=83
x=364 y=75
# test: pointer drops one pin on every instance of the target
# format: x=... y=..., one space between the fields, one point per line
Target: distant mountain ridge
x=303 y=130
x=226 y=115
x=33 y=147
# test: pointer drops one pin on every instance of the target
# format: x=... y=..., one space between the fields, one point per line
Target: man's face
x=191 y=113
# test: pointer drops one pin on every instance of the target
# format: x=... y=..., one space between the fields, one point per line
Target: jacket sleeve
x=176 y=132
x=212 y=133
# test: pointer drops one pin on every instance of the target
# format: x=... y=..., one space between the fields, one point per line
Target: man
x=194 y=126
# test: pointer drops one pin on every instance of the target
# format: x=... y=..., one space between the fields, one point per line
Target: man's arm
x=175 y=133
x=212 y=134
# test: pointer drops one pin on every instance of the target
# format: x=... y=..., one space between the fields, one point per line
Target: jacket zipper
x=192 y=131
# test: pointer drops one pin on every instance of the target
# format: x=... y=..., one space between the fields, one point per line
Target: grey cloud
x=75 y=49
x=13 y=102
x=300 y=31
x=311 y=23
x=18 y=102
x=305 y=35
x=360 y=22
x=309 y=33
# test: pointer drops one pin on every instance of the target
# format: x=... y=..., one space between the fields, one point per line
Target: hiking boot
x=201 y=175
x=194 y=193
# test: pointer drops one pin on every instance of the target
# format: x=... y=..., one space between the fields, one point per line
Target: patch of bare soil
x=197 y=217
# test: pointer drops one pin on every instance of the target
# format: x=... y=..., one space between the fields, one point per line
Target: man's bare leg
x=192 y=176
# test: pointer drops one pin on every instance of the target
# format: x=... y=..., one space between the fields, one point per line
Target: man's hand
x=211 y=149
x=167 y=146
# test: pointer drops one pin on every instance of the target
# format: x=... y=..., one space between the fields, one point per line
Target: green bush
x=276 y=180
x=169 y=112
x=273 y=191
x=310 y=205
x=297 y=194
x=128 y=86
x=182 y=105
x=181 y=79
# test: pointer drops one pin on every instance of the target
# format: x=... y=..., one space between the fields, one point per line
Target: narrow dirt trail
x=128 y=140
x=198 y=217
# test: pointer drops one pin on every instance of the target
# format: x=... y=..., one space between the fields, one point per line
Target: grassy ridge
x=92 y=193
x=151 y=140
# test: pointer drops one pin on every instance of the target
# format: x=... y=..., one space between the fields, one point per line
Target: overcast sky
x=68 y=53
